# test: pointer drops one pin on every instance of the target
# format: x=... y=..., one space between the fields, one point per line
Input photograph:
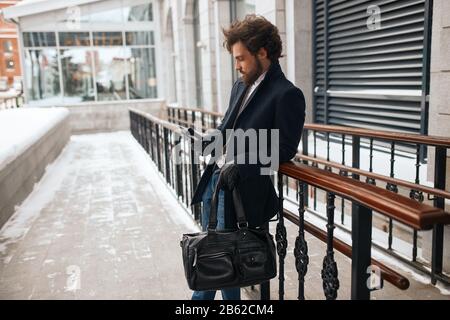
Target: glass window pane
x=110 y=74
x=143 y=12
x=70 y=39
x=107 y=38
x=107 y=16
x=77 y=79
x=42 y=75
x=139 y=38
x=39 y=39
x=8 y=46
x=141 y=69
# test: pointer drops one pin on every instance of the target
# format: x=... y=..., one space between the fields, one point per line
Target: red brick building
x=9 y=48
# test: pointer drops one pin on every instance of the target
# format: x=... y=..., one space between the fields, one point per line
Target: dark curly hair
x=255 y=32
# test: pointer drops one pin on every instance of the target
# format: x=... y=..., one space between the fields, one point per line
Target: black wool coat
x=275 y=104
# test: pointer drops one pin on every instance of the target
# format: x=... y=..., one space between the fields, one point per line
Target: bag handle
x=238 y=208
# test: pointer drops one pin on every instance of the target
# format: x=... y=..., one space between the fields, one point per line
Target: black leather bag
x=222 y=259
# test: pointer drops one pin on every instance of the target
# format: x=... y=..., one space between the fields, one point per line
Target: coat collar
x=273 y=72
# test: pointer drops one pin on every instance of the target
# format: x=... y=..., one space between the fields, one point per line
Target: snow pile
x=21 y=128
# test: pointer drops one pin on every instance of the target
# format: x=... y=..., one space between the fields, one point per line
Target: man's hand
x=229 y=176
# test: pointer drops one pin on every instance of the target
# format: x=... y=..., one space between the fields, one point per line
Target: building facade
x=10 y=69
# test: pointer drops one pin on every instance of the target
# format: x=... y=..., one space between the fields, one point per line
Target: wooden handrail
x=411 y=213
x=383 y=135
x=154 y=119
x=399 y=182
x=387 y=273
x=366 y=133
x=213 y=113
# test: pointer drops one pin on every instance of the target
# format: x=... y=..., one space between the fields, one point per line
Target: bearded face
x=249 y=65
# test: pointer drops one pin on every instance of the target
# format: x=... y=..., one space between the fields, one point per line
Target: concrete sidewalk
x=101 y=215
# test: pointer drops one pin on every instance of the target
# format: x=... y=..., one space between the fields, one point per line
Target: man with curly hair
x=261 y=99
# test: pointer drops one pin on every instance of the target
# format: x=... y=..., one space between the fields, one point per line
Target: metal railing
x=161 y=139
x=351 y=142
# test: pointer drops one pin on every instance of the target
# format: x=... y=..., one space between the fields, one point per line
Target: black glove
x=229 y=176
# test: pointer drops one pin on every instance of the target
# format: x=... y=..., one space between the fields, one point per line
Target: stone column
x=299 y=49
x=208 y=54
x=439 y=109
x=274 y=11
x=223 y=70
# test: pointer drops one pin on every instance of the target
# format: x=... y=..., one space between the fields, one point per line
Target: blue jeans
x=227 y=294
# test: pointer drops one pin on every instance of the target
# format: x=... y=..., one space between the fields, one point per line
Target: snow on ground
x=44 y=191
x=22 y=127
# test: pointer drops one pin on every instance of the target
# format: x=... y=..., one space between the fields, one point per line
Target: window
x=41 y=67
x=107 y=16
x=39 y=39
x=76 y=70
x=70 y=39
x=141 y=69
x=110 y=74
x=8 y=46
x=107 y=38
x=143 y=12
x=112 y=56
x=140 y=38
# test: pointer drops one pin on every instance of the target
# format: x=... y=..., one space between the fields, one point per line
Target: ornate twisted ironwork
x=329 y=270
x=281 y=239
x=330 y=277
x=392 y=187
x=301 y=246
x=301 y=256
x=416 y=195
x=343 y=173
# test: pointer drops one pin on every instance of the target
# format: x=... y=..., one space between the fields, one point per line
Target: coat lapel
x=273 y=72
x=235 y=108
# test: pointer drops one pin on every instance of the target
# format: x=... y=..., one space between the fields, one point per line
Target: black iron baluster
x=145 y=134
x=305 y=151
x=418 y=196
x=327 y=167
x=301 y=246
x=166 y=154
x=193 y=118
x=371 y=180
x=171 y=152
x=158 y=149
x=440 y=159
x=343 y=173
x=179 y=173
x=214 y=120
x=314 y=164
x=281 y=237
x=203 y=122
x=393 y=188
x=152 y=153
x=194 y=170
x=330 y=271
